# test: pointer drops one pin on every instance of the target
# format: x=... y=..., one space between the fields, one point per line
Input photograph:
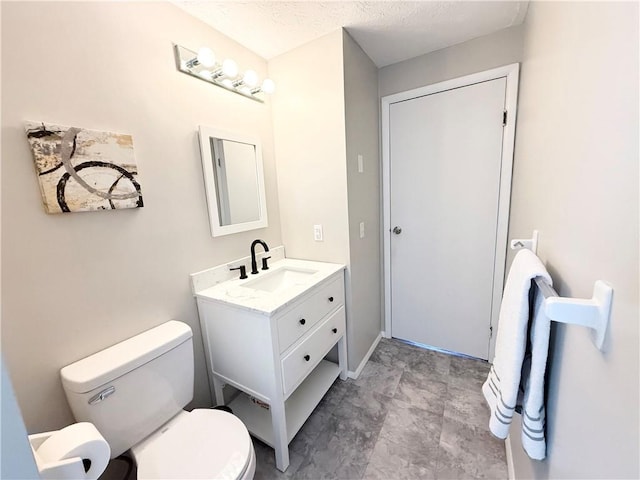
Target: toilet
x=134 y=393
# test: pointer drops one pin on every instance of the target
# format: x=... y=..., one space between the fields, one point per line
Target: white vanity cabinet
x=275 y=356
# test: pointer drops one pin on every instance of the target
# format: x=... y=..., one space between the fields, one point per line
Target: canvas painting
x=84 y=170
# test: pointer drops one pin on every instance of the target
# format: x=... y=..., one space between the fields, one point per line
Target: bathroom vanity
x=268 y=336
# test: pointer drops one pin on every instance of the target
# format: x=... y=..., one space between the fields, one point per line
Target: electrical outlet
x=361 y=229
x=317 y=233
x=360 y=164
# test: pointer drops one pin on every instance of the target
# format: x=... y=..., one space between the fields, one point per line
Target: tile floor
x=412 y=414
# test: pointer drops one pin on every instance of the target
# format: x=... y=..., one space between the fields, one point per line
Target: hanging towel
x=533 y=412
x=501 y=387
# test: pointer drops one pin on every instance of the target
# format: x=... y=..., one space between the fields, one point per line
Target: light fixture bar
x=223 y=74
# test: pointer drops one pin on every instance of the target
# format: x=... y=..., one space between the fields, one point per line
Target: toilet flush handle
x=98 y=397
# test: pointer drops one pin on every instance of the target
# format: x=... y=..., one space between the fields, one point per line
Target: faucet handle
x=265 y=266
x=243 y=271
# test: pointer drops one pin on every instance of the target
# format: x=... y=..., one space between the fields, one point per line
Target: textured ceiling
x=388 y=31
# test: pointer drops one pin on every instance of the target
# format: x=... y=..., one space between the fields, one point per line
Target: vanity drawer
x=298 y=321
x=297 y=364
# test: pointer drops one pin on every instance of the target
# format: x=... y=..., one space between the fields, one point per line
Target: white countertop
x=235 y=293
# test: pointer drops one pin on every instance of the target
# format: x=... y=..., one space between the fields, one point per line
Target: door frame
x=511 y=73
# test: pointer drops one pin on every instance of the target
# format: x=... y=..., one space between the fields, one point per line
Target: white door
x=445 y=153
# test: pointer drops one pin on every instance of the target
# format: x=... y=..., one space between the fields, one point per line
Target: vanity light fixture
x=249 y=79
x=204 y=65
x=205 y=57
x=228 y=70
x=268 y=86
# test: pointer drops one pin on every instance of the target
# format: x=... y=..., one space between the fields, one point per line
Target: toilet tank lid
x=107 y=365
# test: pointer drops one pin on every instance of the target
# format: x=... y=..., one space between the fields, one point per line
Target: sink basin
x=267 y=292
x=280 y=279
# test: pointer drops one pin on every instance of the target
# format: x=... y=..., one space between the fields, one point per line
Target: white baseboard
x=510 y=468
x=364 y=361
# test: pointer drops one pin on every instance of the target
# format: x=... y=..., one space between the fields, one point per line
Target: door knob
x=397 y=230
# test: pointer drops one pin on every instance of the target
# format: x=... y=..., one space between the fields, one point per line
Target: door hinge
x=490 y=332
x=504 y=118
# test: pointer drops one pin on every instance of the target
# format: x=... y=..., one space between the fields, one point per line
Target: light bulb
x=268 y=86
x=229 y=68
x=227 y=83
x=250 y=78
x=206 y=74
x=206 y=57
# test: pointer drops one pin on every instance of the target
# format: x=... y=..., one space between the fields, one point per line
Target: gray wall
x=308 y=123
x=482 y=53
x=361 y=122
x=576 y=181
x=73 y=284
x=321 y=123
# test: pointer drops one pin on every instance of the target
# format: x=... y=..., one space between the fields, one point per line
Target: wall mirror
x=233 y=180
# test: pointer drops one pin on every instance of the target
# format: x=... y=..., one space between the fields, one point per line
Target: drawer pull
x=307 y=358
x=334 y=330
x=331 y=299
x=302 y=321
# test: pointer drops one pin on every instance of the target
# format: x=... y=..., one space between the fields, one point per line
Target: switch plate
x=317 y=233
x=361 y=229
x=360 y=164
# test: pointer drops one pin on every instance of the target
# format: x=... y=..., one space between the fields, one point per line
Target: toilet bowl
x=185 y=448
x=134 y=393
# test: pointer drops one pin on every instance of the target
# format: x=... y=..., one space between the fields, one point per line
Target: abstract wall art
x=84 y=170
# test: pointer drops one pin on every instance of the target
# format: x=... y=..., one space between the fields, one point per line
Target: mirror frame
x=206 y=153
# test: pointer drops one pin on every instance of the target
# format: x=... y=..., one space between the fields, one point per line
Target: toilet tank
x=130 y=389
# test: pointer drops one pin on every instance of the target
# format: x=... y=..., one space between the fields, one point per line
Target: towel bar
x=530 y=243
x=593 y=313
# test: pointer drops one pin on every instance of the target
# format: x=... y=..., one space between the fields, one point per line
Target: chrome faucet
x=254 y=265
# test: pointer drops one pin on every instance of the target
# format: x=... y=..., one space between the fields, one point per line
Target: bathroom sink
x=280 y=279
x=266 y=292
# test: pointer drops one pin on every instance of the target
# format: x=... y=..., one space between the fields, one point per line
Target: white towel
x=501 y=387
x=533 y=413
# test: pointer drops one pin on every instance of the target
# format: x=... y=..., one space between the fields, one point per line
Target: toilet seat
x=202 y=444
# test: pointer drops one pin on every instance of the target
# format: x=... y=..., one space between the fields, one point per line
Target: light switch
x=317 y=233
x=361 y=229
x=360 y=164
